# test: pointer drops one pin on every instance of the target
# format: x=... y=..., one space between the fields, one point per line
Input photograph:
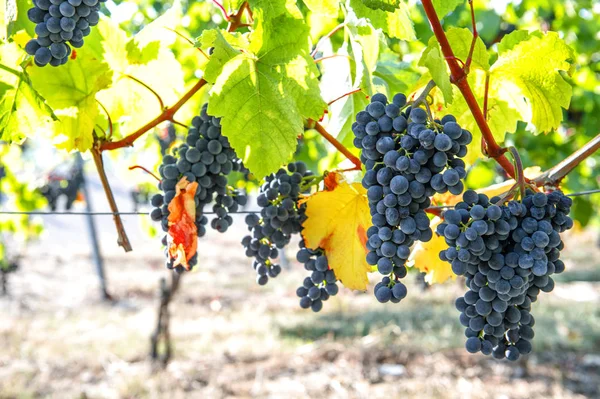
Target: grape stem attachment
x=422 y=98
x=520 y=175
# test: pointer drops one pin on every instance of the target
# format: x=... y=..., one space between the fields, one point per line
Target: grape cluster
x=321 y=284
x=280 y=217
x=207 y=158
x=59 y=22
x=408 y=158
x=507 y=254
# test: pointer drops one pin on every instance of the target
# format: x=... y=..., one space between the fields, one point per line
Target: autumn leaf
x=332 y=180
x=183 y=233
x=426 y=257
x=337 y=222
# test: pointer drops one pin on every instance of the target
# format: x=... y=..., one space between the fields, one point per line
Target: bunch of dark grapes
x=408 y=158
x=59 y=22
x=280 y=217
x=206 y=158
x=321 y=284
x=507 y=254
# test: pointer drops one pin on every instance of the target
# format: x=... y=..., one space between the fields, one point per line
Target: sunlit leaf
x=337 y=222
x=262 y=95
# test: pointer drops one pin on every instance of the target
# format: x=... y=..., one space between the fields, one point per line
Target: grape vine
x=268 y=78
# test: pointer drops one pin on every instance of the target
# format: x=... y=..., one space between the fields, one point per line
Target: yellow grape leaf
x=337 y=222
x=528 y=77
x=425 y=256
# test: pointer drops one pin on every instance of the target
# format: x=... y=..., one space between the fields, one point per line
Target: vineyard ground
x=233 y=339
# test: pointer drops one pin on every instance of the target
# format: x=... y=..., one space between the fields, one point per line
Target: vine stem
x=166 y=115
x=520 y=176
x=150 y=89
x=187 y=39
x=122 y=239
x=223 y=11
x=333 y=31
x=458 y=77
x=317 y=60
x=339 y=146
x=344 y=95
x=145 y=170
x=423 y=96
x=235 y=19
x=557 y=173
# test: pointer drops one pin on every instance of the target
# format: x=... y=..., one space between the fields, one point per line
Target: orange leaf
x=337 y=222
x=331 y=180
x=183 y=233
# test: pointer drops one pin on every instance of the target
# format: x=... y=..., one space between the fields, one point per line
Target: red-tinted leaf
x=183 y=234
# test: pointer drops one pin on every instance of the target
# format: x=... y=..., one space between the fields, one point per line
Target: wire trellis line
x=35 y=213
x=100 y=213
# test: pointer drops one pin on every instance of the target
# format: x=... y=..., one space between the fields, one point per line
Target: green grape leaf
x=460 y=40
x=443 y=7
x=397 y=24
x=528 y=77
x=137 y=55
x=130 y=104
x=330 y=8
x=70 y=90
x=364 y=41
x=23 y=111
x=385 y=5
x=434 y=61
x=512 y=39
x=263 y=94
x=226 y=46
x=271 y=8
x=356 y=71
x=160 y=29
x=396 y=76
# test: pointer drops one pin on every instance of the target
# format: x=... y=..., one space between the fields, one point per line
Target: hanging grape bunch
x=58 y=24
x=206 y=159
x=280 y=217
x=321 y=284
x=507 y=252
x=408 y=157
